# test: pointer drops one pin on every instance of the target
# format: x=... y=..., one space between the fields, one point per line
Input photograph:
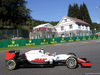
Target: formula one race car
x=39 y=57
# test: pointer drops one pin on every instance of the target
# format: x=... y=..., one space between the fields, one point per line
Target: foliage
x=38 y=22
x=70 y=11
x=95 y=25
x=79 y=12
x=13 y=13
x=83 y=14
x=73 y=11
x=30 y=23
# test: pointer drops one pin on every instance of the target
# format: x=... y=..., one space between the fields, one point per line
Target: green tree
x=53 y=23
x=76 y=11
x=95 y=25
x=70 y=11
x=14 y=13
x=0 y=23
x=29 y=23
x=79 y=12
x=73 y=11
x=81 y=16
x=84 y=14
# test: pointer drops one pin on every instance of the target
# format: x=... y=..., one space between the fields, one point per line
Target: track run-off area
x=85 y=49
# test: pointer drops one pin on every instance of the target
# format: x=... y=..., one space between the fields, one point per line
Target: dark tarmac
x=85 y=49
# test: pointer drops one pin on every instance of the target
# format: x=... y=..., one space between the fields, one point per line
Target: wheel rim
x=11 y=65
x=71 y=62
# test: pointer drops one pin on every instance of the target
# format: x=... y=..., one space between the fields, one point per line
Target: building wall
x=43 y=31
x=63 y=27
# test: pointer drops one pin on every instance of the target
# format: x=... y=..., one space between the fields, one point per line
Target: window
x=65 y=20
x=70 y=26
x=83 y=27
x=62 y=27
x=79 y=26
x=87 y=27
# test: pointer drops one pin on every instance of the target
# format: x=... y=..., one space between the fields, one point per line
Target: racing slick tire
x=72 y=54
x=11 y=64
x=71 y=63
x=53 y=64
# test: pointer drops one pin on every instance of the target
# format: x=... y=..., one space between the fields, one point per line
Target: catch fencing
x=7 y=34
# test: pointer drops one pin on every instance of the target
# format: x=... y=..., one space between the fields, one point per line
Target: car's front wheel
x=11 y=64
x=71 y=62
x=72 y=54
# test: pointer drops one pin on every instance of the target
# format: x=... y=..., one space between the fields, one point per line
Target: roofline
x=79 y=22
x=64 y=17
x=60 y=21
x=40 y=25
x=74 y=21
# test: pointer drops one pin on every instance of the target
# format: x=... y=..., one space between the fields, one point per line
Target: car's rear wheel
x=11 y=64
x=53 y=64
x=71 y=62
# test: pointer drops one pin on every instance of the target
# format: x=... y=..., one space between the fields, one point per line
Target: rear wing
x=12 y=54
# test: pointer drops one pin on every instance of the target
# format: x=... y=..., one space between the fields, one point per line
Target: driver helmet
x=47 y=53
x=42 y=48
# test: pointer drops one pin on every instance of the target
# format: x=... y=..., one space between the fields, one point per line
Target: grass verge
x=4 y=49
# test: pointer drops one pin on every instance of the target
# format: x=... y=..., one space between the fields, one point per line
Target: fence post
x=17 y=33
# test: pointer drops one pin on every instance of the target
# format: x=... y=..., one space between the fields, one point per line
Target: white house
x=43 y=31
x=69 y=27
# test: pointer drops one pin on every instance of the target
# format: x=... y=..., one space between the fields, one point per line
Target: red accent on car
x=80 y=60
x=86 y=64
x=9 y=56
x=25 y=56
x=37 y=60
x=49 y=54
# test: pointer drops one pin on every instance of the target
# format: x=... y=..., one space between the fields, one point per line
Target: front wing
x=84 y=63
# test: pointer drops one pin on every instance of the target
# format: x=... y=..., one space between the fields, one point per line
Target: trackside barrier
x=32 y=42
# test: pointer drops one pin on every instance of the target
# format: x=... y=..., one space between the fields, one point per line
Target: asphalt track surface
x=87 y=49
